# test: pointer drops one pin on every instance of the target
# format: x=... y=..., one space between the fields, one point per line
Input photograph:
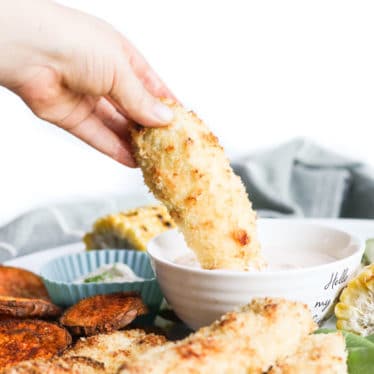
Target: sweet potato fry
x=23 y=307
x=103 y=313
x=21 y=283
x=28 y=339
x=97 y=354
x=23 y=295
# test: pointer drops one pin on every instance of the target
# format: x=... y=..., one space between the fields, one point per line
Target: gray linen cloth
x=60 y=224
x=298 y=178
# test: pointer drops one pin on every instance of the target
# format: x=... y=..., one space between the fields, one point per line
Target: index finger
x=151 y=81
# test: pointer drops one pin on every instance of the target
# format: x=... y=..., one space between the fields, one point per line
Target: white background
x=259 y=72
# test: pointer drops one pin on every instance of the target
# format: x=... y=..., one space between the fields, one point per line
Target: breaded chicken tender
x=112 y=349
x=102 y=353
x=68 y=365
x=187 y=170
x=249 y=340
x=317 y=354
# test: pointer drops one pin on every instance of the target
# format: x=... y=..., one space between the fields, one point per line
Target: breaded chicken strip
x=112 y=349
x=102 y=353
x=249 y=340
x=69 y=365
x=186 y=168
x=317 y=354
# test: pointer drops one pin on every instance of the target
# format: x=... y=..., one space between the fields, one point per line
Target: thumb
x=136 y=102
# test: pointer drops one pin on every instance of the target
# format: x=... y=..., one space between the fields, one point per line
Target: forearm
x=36 y=33
x=20 y=27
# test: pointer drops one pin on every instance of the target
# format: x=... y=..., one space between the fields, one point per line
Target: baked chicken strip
x=110 y=350
x=249 y=340
x=322 y=353
x=99 y=354
x=186 y=168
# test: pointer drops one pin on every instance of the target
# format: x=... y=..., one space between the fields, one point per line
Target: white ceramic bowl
x=200 y=296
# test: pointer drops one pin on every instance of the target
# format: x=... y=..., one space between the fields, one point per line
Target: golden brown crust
x=112 y=349
x=317 y=354
x=71 y=365
x=103 y=313
x=22 y=340
x=23 y=307
x=102 y=353
x=22 y=283
x=249 y=340
x=186 y=168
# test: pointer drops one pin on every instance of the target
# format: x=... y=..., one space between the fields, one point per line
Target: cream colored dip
x=111 y=273
x=276 y=260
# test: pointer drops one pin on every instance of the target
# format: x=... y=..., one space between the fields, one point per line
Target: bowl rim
x=354 y=241
x=85 y=253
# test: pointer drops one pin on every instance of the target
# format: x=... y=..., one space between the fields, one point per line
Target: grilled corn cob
x=131 y=229
x=355 y=309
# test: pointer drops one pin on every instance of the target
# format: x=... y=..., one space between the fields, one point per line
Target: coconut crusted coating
x=115 y=348
x=317 y=354
x=59 y=365
x=187 y=170
x=98 y=354
x=249 y=340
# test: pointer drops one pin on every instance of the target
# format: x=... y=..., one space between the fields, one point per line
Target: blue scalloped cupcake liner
x=59 y=273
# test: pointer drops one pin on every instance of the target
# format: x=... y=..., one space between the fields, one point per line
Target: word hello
x=336 y=279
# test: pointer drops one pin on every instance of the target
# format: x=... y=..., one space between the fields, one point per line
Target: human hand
x=77 y=72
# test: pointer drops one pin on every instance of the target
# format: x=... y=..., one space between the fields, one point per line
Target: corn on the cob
x=131 y=229
x=355 y=309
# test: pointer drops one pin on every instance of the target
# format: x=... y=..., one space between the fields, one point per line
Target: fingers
x=146 y=74
x=94 y=132
x=75 y=113
x=135 y=101
x=112 y=118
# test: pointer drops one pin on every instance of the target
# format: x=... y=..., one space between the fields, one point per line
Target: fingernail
x=163 y=113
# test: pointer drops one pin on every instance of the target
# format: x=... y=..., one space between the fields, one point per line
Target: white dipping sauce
x=276 y=259
x=111 y=273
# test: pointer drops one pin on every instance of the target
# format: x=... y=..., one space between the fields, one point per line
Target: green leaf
x=370 y=338
x=360 y=351
x=96 y=278
x=100 y=277
x=356 y=341
x=324 y=331
x=368 y=257
x=360 y=360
